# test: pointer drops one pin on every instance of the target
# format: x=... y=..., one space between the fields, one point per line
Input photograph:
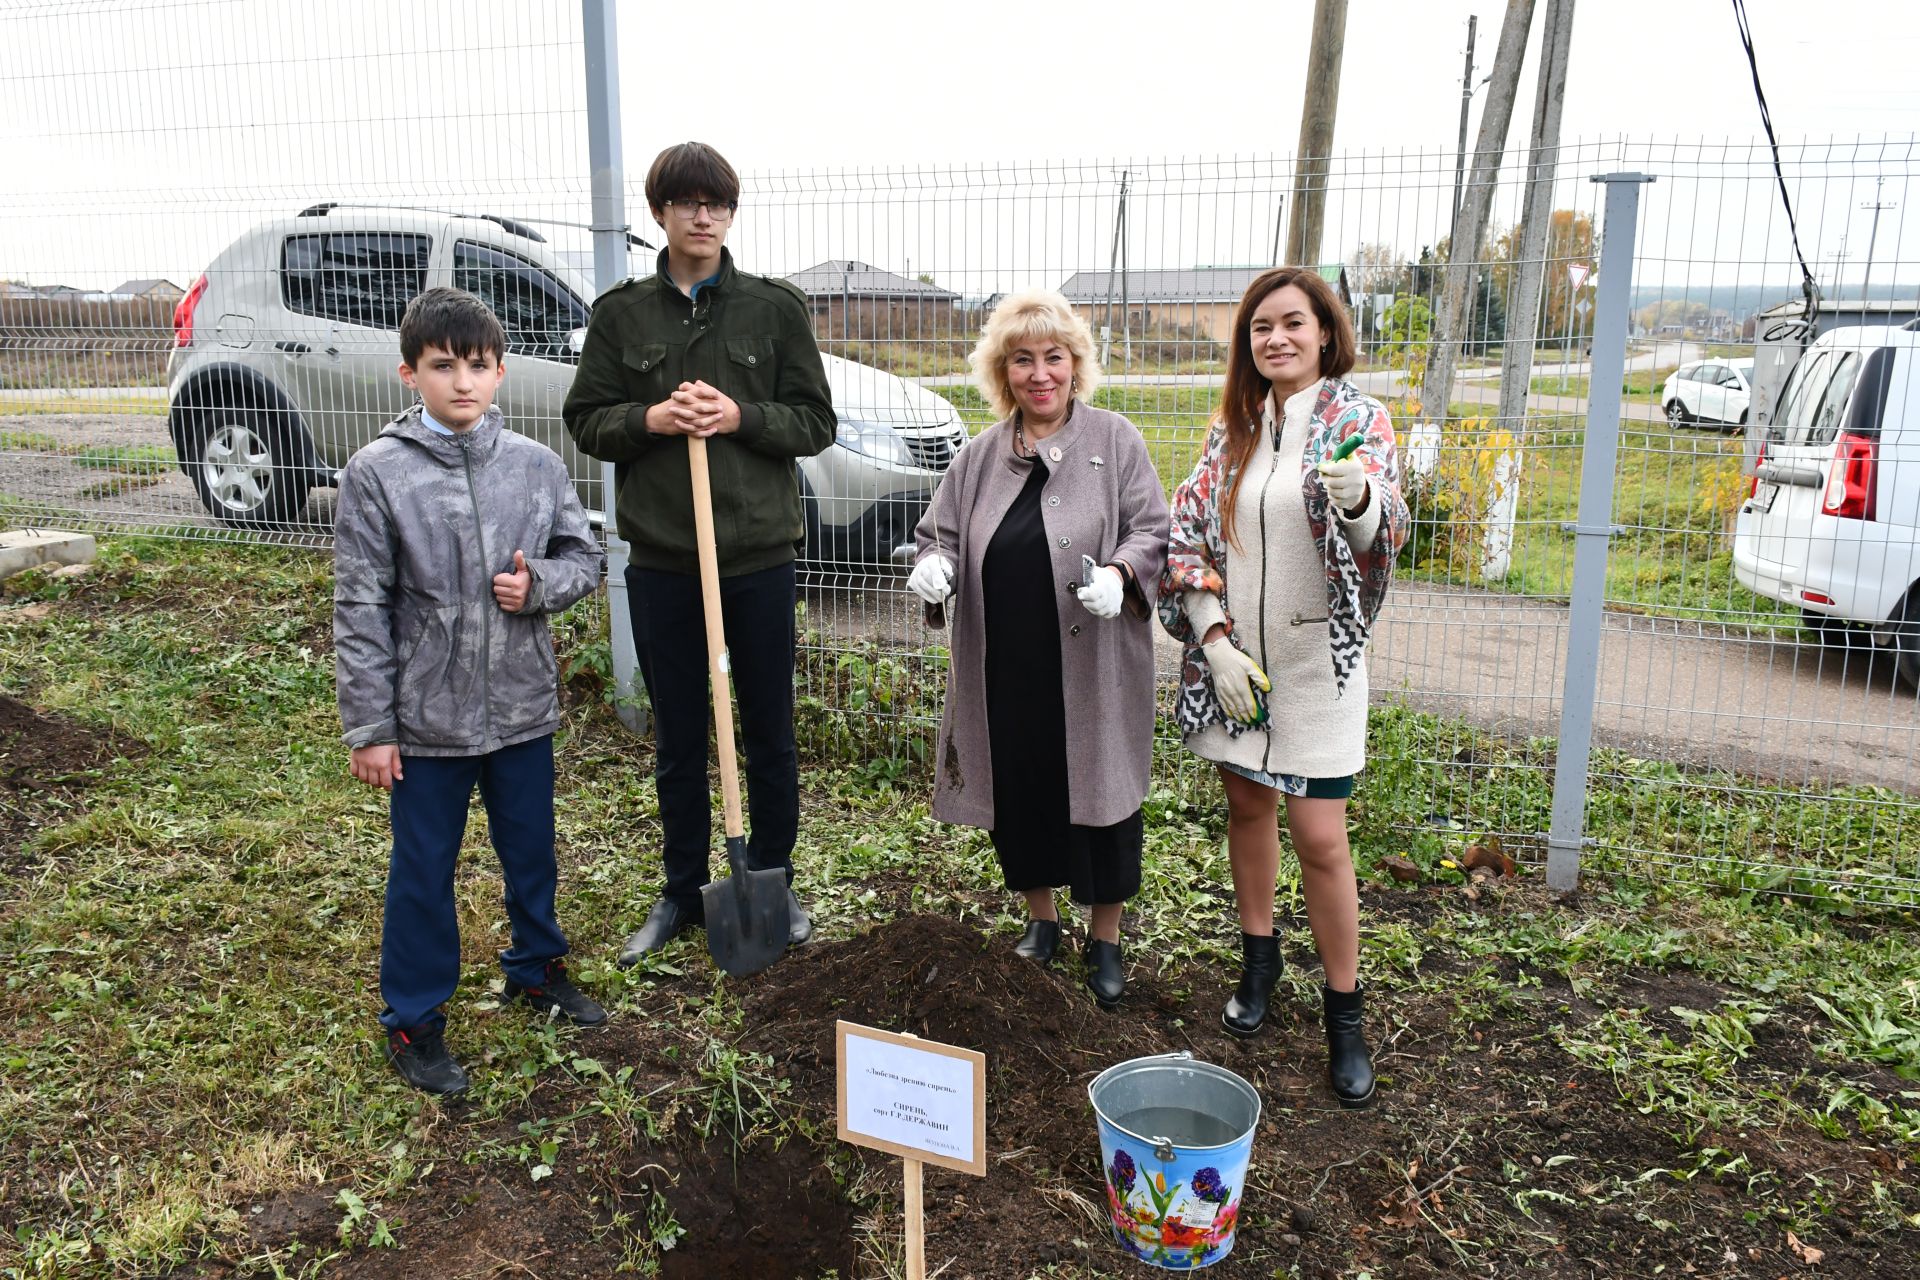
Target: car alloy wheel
x=1677 y=413
x=236 y=469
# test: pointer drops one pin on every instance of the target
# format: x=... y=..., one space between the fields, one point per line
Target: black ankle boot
x=1106 y=976
x=1040 y=941
x=1349 y=1061
x=1259 y=970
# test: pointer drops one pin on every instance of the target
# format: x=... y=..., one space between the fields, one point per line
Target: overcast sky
x=141 y=137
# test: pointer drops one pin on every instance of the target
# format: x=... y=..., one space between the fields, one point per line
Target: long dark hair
x=1247 y=389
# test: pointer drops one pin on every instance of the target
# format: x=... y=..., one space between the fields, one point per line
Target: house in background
x=150 y=290
x=853 y=300
x=1197 y=300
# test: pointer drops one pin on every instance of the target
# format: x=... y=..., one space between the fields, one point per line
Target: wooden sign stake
x=935 y=1090
x=916 y=1223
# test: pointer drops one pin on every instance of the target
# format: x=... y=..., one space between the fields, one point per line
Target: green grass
x=1639 y=386
x=185 y=1024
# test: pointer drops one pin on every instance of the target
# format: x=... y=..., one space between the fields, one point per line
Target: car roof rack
x=512 y=226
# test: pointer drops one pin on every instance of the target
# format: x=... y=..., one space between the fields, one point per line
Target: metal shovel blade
x=746 y=914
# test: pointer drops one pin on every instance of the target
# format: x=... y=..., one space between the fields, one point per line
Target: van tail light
x=183 y=313
x=1753 y=487
x=1850 y=484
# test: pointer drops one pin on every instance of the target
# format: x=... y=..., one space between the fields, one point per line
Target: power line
x=1807 y=285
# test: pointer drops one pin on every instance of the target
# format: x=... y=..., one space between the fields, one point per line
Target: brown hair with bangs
x=1246 y=389
x=690 y=171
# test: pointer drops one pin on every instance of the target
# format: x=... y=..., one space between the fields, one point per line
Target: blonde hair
x=1023 y=317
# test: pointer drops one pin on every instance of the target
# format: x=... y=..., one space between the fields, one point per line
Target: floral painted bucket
x=1175 y=1138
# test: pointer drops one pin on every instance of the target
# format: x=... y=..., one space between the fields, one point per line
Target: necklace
x=1021 y=448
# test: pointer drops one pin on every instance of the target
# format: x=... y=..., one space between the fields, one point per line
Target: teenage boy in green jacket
x=701 y=348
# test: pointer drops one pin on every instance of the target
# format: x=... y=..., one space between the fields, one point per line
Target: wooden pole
x=1316 y=131
x=1463 y=253
x=916 y=1226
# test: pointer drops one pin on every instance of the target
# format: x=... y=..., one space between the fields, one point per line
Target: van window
x=1869 y=406
x=1823 y=424
x=1805 y=383
x=536 y=310
x=361 y=277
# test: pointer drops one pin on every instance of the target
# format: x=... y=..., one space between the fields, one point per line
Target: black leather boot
x=1106 y=977
x=1349 y=1061
x=1259 y=970
x=1040 y=941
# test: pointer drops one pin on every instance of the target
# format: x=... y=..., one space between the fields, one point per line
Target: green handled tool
x=1346 y=447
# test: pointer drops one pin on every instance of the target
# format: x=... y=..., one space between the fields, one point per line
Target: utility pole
x=1536 y=219
x=1316 y=131
x=1873 y=235
x=1476 y=199
x=1115 y=267
x=1466 y=101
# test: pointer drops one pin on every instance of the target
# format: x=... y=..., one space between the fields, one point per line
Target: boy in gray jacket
x=453 y=541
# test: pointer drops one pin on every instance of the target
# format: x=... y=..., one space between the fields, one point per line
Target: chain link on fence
x=188 y=353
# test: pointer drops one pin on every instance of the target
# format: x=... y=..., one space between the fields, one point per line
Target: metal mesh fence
x=220 y=209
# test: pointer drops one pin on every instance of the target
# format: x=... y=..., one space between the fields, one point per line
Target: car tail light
x=1753 y=487
x=1850 y=484
x=183 y=313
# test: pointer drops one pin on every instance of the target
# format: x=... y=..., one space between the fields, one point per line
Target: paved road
x=1771 y=707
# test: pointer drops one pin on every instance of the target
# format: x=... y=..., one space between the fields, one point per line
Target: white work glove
x=932 y=579
x=1234 y=677
x=1346 y=482
x=1103 y=591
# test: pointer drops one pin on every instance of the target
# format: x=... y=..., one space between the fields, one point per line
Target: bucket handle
x=1163 y=1147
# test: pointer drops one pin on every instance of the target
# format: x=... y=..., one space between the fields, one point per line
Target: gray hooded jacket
x=423 y=655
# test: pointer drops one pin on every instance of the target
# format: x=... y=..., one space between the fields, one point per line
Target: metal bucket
x=1175 y=1138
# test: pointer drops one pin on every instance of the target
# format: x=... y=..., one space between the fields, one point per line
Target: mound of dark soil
x=44 y=760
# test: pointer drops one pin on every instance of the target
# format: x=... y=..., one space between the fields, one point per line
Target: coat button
x=1054 y=501
x=1066 y=542
x=753 y=359
x=1074 y=630
x=686 y=322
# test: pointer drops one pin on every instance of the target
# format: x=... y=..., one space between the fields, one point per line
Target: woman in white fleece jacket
x=1280 y=556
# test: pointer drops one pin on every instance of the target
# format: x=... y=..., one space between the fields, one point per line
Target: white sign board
x=914 y=1098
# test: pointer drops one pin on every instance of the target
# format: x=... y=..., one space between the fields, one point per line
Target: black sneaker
x=420 y=1055
x=558 y=992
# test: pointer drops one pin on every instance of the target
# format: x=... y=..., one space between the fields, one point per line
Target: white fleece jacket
x=1278 y=580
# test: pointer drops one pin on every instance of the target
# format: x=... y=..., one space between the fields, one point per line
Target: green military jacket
x=750 y=337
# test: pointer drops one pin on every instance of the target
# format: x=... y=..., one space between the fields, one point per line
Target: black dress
x=1027 y=724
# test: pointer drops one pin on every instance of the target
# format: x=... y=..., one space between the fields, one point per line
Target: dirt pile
x=44 y=760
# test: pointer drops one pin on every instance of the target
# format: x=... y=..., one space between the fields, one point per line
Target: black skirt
x=1039 y=848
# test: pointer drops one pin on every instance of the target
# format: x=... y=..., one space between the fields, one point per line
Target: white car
x=284 y=355
x=1833 y=521
x=1716 y=391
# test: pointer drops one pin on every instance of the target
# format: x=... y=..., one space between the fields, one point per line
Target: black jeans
x=670 y=640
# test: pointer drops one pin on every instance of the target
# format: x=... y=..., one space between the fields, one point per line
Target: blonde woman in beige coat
x=1044 y=544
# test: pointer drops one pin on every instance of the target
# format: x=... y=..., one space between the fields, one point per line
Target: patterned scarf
x=1356 y=581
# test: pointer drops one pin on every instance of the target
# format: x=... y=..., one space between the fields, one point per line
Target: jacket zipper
x=1266 y=757
x=486 y=615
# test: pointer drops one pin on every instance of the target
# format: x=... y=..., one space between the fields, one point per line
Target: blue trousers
x=420 y=938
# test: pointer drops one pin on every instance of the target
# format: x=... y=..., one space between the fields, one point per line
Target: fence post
x=607 y=160
x=1605 y=377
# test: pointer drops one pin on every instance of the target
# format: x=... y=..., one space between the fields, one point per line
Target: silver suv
x=284 y=355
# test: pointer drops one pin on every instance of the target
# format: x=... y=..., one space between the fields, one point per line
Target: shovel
x=746 y=912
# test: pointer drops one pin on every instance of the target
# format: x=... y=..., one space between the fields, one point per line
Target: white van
x=1832 y=524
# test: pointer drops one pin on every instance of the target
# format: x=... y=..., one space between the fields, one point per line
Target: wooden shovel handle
x=717 y=662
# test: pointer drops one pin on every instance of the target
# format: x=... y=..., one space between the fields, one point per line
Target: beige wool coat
x=1102 y=498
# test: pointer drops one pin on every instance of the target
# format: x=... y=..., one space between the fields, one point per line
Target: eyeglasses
x=718 y=210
